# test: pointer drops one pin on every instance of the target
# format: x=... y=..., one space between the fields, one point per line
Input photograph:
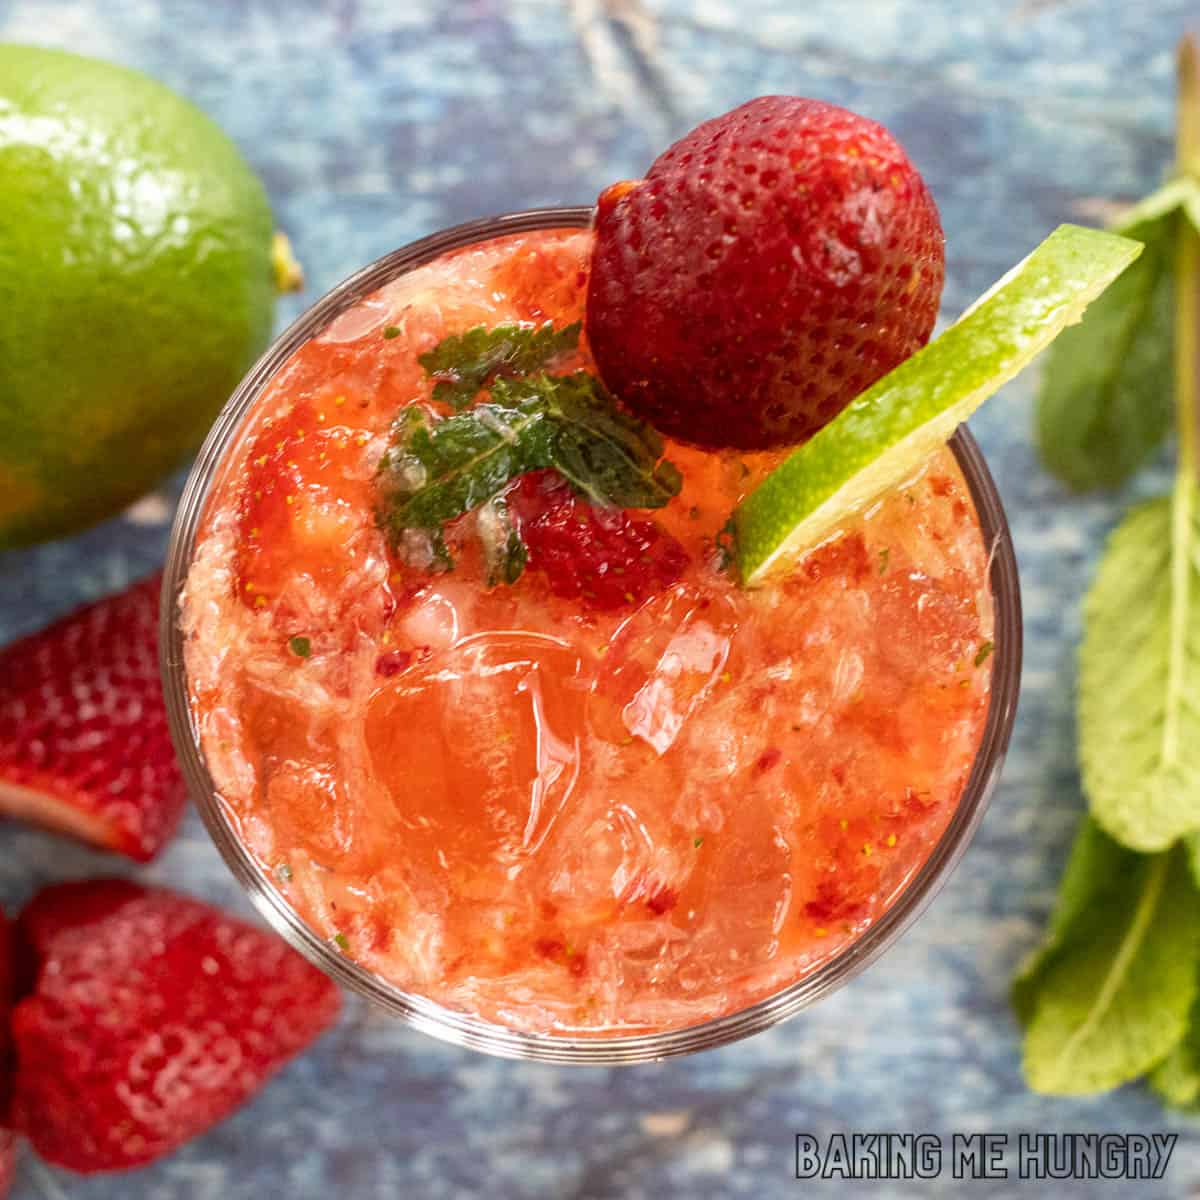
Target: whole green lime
x=136 y=286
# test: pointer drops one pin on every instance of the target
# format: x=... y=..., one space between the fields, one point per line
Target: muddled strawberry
x=605 y=557
x=297 y=512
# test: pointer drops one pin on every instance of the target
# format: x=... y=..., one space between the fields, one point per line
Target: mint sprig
x=437 y=471
x=1112 y=993
x=511 y=417
x=611 y=457
x=462 y=364
x=1139 y=701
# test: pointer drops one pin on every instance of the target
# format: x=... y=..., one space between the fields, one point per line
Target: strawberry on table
x=84 y=744
x=771 y=266
x=152 y=1016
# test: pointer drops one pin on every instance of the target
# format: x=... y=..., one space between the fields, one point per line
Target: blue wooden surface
x=377 y=121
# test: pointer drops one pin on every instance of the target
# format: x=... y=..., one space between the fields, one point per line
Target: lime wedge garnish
x=882 y=437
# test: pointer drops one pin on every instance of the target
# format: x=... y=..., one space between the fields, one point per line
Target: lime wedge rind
x=883 y=436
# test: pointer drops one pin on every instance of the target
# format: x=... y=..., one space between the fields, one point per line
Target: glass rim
x=463 y=1029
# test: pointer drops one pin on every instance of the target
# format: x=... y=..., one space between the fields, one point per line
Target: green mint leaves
x=1104 y=405
x=611 y=457
x=1139 y=676
x=439 y=469
x=435 y=471
x=463 y=363
x=1112 y=994
x=1108 y=996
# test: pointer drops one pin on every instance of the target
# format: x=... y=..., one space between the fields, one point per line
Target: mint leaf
x=610 y=456
x=463 y=363
x=1095 y=858
x=1139 y=675
x=439 y=470
x=1109 y=996
x=436 y=472
x=1104 y=405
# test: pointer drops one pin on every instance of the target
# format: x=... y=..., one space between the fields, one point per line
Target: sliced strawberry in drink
x=284 y=517
x=84 y=744
x=304 y=511
x=152 y=1016
x=604 y=557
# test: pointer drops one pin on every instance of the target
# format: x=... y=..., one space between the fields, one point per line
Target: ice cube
x=478 y=749
x=662 y=664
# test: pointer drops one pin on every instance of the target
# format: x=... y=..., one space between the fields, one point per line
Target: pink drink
x=561 y=818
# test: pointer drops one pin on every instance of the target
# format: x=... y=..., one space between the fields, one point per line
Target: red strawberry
x=773 y=264
x=600 y=555
x=277 y=534
x=84 y=746
x=264 y=514
x=151 y=1017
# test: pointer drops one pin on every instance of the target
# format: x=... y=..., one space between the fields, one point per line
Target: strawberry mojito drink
x=617 y=792
x=488 y=683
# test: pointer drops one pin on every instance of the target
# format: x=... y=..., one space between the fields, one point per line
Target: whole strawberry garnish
x=151 y=1017
x=602 y=556
x=772 y=265
x=84 y=745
